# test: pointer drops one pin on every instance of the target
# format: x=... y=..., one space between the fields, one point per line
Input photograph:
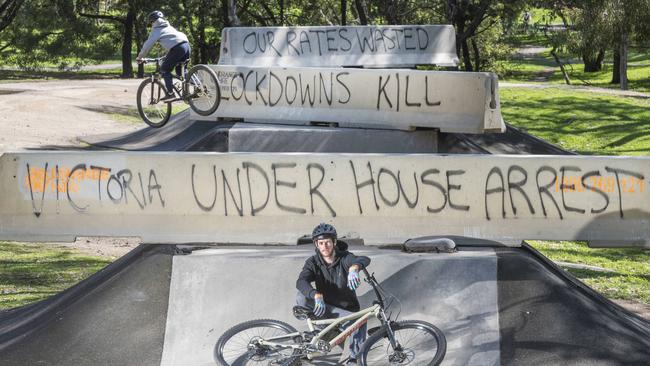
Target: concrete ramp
x=115 y=317
x=185 y=134
x=162 y=305
x=457 y=292
x=179 y=134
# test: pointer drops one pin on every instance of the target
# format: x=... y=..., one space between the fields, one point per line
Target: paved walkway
x=589 y=89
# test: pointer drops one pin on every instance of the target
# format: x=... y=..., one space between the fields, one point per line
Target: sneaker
x=168 y=98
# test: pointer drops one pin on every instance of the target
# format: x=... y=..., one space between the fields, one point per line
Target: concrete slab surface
x=213 y=290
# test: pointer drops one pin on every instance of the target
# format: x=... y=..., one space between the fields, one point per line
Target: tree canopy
x=76 y=32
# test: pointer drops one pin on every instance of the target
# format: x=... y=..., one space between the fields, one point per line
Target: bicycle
x=272 y=342
x=200 y=89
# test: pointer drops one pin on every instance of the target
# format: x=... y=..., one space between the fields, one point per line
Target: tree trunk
x=593 y=62
x=127 y=44
x=477 y=55
x=623 y=61
x=616 y=69
x=8 y=11
x=362 y=10
x=281 y=12
x=466 y=57
x=344 y=8
x=231 y=11
x=138 y=44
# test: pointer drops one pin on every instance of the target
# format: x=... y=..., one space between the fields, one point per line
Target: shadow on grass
x=21 y=75
x=51 y=272
x=612 y=124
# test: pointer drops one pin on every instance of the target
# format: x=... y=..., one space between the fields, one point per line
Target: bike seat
x=302 y=313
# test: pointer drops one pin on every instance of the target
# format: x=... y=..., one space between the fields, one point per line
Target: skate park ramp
x=115 y=317
x=167 y=305
x=185 y=134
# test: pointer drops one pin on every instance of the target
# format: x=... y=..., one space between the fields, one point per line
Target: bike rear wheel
x=419 y=343
x=153 y=112
x=203 y=90
x=237 y=345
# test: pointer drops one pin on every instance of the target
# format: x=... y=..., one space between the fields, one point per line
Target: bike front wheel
x=240 y=344
x=418 y=343
x=203 y=90
x=153 y=112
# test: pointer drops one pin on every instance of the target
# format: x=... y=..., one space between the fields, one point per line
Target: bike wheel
x=203 y=90
x=419 y=343
x=153 y=112
x=237 y=345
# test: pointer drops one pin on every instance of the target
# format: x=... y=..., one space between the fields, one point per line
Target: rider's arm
x=305 y=278
x=351 y=260
x=146 y=47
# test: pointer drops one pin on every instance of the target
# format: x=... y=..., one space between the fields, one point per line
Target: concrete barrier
x=276 y=198
x=333 y=46
x=399 y=99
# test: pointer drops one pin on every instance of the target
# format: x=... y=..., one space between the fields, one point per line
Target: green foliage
x=42 y=33
x=30 y=273
x=493 y=48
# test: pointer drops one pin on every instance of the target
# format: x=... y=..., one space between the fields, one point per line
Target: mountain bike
x=275 y=343
x=199 y=88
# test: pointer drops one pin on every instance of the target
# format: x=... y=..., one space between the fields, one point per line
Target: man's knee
x=302 y=300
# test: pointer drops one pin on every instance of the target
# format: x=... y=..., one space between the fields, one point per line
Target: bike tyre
x=227 y=335
x=430 y=329
x=167 y=108
x=210 y=85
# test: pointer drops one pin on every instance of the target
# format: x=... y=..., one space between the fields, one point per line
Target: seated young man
x=335 y=272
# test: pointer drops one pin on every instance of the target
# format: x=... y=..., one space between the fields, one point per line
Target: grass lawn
x=531 y=68
x=627 y=274
x=580 y=121
x=31 y=272
x=594 y=124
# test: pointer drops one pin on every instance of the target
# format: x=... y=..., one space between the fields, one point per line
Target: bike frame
x=156 y=75
x=361 y=317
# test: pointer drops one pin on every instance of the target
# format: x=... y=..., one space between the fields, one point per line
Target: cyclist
x=174 y=42
x=335 y=272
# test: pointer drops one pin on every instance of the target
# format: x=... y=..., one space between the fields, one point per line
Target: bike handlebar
x=148 y=60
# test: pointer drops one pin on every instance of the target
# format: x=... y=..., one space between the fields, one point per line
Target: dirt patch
x=52 y=114
x=638 y=308
x=103 y=246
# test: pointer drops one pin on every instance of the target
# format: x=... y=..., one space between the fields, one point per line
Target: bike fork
x=391 y=336
x=153 y=97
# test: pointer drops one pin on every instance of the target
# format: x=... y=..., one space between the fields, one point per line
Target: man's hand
x=353 y=277
x=319 y=305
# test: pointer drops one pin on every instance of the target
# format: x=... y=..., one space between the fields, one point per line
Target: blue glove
x=353 y=279
x=319 y=306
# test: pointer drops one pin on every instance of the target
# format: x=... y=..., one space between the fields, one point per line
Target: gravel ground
x=52 y=114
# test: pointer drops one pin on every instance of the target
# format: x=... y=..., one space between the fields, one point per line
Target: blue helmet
x=154 y=15
x=323 y=231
